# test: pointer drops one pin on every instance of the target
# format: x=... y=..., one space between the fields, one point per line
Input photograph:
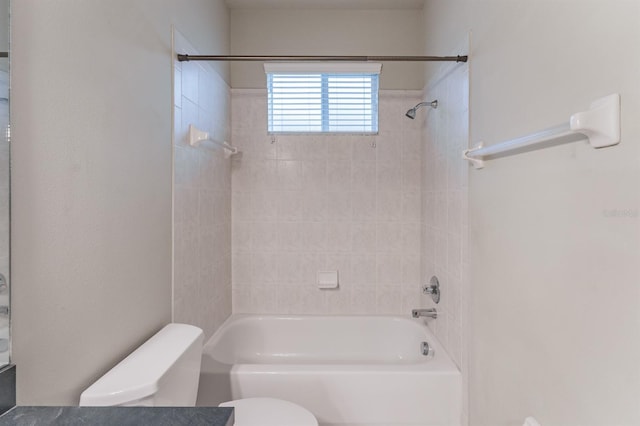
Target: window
x=322 y=98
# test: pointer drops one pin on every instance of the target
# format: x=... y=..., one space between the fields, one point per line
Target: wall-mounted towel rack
x=196 y=137
x=600 y=124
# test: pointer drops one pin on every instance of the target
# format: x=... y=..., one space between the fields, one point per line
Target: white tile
x=389 y=206
x=338 y=301
x=339 y=176
x=389 y=267
x=300 y=299
x=339 y=236
x=454 y=259
x=411 y=276
x=363 y=269
x=363 y=206
x=242 y=270
x=289 y=238
x=362 y=149
x=389 y=237
x=389 y=300
x=289 y=267
x=454 y=212
x=411 y=144
x=363 y=176
x=389 y=176
x=411 y=237
x=288 y=148
x=339 y=206
x=337 y=202
x=339 y=148
x=190 y=82
x=264 y=236
x=265 y=175
x=363 y=300
x=264 y=267
x=241 y=237
x=264 y=206
x=340 y=262
x=389 y=147
x=241 y=296
x=411 y=176
x=289 y=175
x=313 y=236
x=261 y=146
x=411 y=207
x=363 y=237
x=289 y=206
x=263 y=299
x=313 y=206
x=242 y=209
x=177 y=87
x=242 y=174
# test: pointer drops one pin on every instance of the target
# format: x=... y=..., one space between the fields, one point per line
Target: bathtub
x=347 y=370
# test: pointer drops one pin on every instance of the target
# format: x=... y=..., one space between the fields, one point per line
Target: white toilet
x=165 y=371
x=269 y=412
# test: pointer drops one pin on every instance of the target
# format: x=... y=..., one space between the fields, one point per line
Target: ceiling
x=325 y=4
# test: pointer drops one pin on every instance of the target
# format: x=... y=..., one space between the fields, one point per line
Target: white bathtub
x=347 y=370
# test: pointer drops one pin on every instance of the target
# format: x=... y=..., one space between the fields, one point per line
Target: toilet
x=269 y=412
x=165 y=371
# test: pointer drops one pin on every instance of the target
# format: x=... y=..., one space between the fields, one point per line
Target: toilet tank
x=164 y=371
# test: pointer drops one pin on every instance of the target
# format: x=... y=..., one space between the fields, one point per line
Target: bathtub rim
x=441 y=363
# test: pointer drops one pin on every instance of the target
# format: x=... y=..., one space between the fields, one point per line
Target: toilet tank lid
x=137 y=376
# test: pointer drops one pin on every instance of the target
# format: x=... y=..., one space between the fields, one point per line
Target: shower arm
x=412 y=112
x=432 y=104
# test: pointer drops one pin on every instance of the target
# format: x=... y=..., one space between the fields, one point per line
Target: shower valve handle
x=433 y=288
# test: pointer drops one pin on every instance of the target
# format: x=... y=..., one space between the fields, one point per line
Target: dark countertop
x=120 y=416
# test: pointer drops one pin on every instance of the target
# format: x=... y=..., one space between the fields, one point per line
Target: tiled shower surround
x=444 y=220
x=4 y=208
x=303 y=204
x=202 y=197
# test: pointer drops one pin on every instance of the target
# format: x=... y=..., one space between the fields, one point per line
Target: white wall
x=328 y=32
x=554 y=279
x=91 y=184
x=311 y=203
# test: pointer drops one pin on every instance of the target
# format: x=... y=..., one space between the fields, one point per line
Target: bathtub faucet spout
x=429 y=313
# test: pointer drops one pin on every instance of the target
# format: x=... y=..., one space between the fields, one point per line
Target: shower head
x=412 y=112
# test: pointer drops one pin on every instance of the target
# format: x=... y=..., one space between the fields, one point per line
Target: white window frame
x=326 y=71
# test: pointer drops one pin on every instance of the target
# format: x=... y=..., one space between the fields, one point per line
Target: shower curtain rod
x=304 y=58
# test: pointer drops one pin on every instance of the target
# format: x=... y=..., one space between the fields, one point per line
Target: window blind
x=322 y=102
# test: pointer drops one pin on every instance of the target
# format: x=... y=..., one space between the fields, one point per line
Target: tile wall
x=303 y=204
x=202 y=197
x=444 y=211
x=4 y=209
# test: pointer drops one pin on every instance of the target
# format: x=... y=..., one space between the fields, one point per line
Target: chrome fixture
x=428 y=313
x=433 y=288
x=412 y=112
x=426 y=349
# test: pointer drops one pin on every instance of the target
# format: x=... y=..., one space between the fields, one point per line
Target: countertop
x=121 y=416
